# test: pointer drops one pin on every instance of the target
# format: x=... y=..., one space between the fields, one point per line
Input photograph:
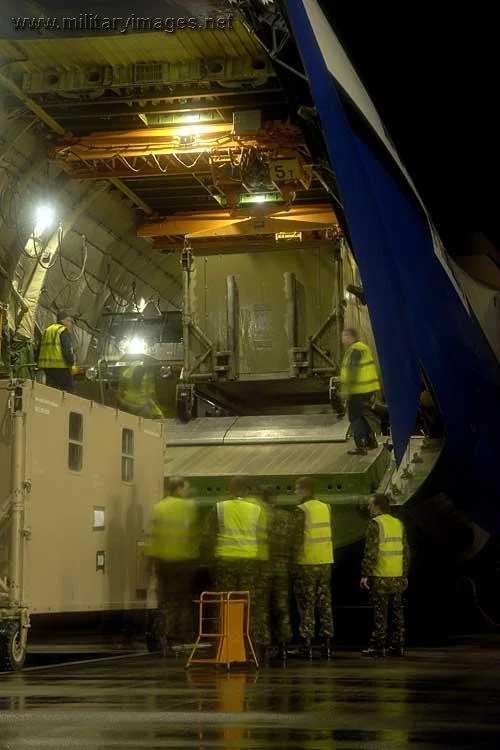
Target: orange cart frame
x=230 y=611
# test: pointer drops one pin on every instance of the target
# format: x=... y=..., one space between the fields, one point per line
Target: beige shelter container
x=78 y=481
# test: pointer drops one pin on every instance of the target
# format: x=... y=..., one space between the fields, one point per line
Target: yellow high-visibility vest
x=390 y=548
x=51 y=353
x=262 y=531
x=133 y=395
x=238 y=529
x=317 y=548
x=174 y=532
x=366 y=377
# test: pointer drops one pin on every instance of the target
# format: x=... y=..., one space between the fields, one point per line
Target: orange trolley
x=224 y=620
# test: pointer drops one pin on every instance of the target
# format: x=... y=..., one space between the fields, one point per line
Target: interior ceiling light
x=188 y=118
x=136 y=346
x=261 y=198
x=192 y=130
x=44 y=218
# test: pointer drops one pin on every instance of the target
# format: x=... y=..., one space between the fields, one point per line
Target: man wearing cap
x=384 y=572
x=56 y=355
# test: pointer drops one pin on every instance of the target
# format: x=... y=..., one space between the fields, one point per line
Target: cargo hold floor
x=266 y=460
x=273 y=450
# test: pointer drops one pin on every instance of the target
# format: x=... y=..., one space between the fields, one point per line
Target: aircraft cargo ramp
x=276 y=450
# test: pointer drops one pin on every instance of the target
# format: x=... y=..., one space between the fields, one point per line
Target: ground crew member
x=238 y=526
x=360 y=383
x=174 y=544
x=137 y=394
x=284 y=527
x=55 y=356
x=313 y=571
x=261 y=603
x=384 y=572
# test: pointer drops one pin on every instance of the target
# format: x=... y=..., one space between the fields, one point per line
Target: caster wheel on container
x=185 y=406
x=184 y=411
x=12 y=651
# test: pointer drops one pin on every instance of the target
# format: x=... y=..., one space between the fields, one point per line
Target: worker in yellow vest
x=238 y=527
x=359 y=383
x=55 y=355
x=313 y=570
x=137 y=393
x=384 y=572
x=173 y=544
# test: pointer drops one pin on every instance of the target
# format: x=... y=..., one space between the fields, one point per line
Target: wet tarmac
x=443 y=698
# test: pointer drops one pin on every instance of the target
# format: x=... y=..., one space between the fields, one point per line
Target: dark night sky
x=433 y=74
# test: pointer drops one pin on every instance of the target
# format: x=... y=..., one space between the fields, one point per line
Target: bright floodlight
x=44 y=216
x=258 y=199
x=136 y=346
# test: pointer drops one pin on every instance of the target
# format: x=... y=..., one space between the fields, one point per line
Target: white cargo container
x=77 y=484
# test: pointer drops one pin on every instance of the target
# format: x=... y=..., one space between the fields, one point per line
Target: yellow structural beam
x=188 y=223
x=248 y=221
x=186 y=139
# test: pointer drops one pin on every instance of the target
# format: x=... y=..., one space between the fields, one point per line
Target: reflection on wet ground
x=446 y=698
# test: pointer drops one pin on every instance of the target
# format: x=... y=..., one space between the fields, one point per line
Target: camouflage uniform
x=283 y=527
x=312 y=586
x=240 y=574
x=386 y=593
x=175 y=599
x=313 y=590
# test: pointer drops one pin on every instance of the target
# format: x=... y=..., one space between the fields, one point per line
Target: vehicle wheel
x=184 y=411
x=12 y=652
x=186 y=403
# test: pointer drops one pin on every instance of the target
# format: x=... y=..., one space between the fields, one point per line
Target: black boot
x=396 y=651
x=328 y=648
x=375 y=653
x=371 y=443
x=360 y=451
x=306 y=648
x=282 y=650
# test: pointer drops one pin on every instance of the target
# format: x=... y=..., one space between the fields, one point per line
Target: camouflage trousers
x=280 y=589
x=387 y=600
x=248 y=575
x=175 y=600
x=312 y=587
